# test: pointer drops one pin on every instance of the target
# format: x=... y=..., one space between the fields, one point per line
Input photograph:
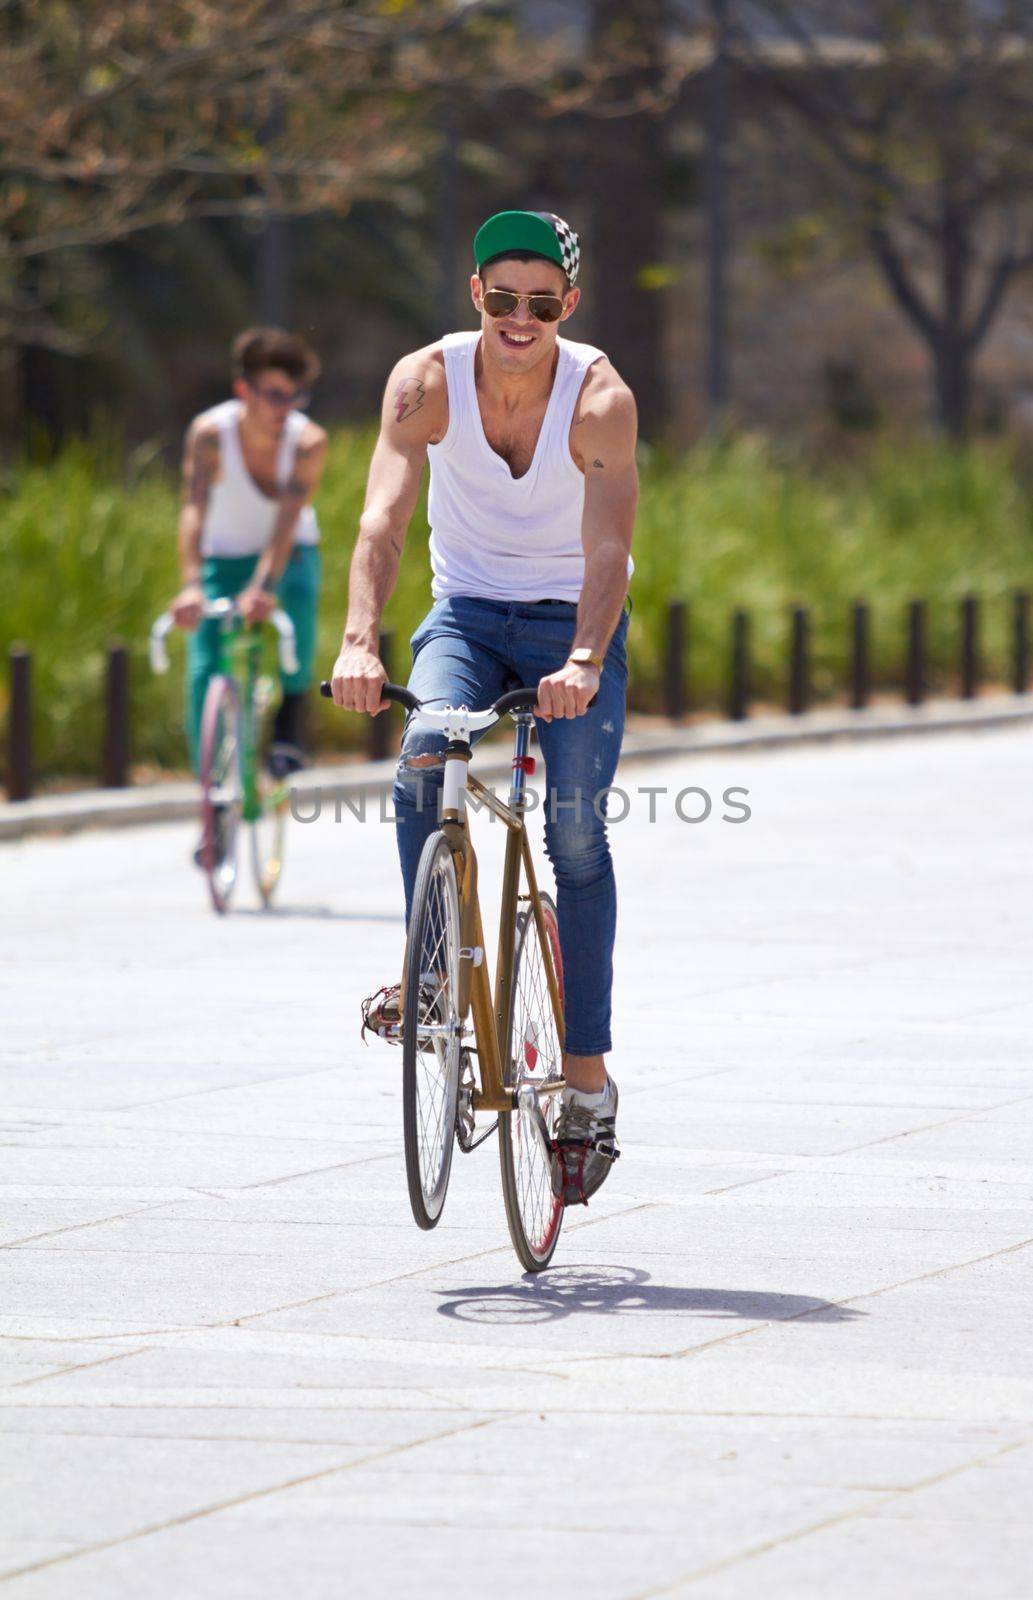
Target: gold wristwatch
x=583 y=657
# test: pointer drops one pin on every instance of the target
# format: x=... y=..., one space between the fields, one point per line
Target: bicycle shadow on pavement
x=619 y=1291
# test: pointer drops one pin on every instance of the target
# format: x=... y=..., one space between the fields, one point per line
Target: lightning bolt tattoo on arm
x=409 y=397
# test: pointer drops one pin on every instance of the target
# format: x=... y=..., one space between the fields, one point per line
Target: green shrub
x=88 y=553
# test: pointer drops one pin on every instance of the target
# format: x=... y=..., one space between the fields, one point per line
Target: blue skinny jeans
x=469 y=651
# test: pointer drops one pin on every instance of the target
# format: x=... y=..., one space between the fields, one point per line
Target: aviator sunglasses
x=503 y=302
x=282 y=399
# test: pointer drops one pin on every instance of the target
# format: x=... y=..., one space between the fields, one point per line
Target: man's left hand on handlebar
x=256 y=604
x=567 y=693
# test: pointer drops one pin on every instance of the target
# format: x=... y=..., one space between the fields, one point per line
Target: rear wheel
x=535 y=1060
x=431 y=1031
x=221 y=788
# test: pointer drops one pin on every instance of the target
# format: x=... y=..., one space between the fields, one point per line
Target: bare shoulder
x=417 y=393
x=310 y=458
x=605 y=395
x=312 y=440
x=203 y=432
x=200 y=455
x=605 y=425
x=427 y=363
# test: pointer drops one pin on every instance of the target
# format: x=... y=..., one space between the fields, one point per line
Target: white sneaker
x=585 y=1146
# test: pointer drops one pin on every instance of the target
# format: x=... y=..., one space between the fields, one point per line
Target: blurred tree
x=925 y=111
x=624 y=175
x=717 y=116
x=115 y=118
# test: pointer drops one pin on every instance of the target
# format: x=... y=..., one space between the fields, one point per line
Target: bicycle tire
x=533 y=1212
x=430 y=1061
x=221 y=788
x=269 y=837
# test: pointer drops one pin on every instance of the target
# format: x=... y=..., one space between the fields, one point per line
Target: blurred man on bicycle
x=247 y=528
x=533 y=489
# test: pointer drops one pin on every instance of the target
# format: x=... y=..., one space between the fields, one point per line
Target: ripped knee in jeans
x=421 y=759
x=420 y=771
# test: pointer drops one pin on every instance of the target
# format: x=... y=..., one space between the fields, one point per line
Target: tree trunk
x=952 y=382
x=718 y=242
x=950 y=354
x=943 y=328
x=626 y=167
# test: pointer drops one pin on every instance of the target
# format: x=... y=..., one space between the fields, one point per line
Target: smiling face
x=517 y=343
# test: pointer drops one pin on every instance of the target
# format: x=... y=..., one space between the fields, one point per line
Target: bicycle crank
x=467 y=1136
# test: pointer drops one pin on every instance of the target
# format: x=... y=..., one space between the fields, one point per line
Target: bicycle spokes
x=431 y=1031
x=534 y=1074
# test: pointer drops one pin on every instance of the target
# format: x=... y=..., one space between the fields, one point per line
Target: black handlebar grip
x=523 y=700
x=516 y=700
x=391 y=691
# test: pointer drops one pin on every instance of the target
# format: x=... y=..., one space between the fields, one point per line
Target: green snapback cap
x=541 y=232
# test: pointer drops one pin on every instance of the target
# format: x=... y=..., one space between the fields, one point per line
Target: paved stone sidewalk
x=785 y=1353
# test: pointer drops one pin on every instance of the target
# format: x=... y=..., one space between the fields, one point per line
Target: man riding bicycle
x=533 y=489
x=247 y=528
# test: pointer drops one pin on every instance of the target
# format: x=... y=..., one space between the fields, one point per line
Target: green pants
x=298 y=594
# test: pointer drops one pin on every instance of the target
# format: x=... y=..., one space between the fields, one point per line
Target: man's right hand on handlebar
x=358 y=679
x=186 y=609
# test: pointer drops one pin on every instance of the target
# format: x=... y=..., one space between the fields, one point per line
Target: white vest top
x=239 y=519
x=494 y=536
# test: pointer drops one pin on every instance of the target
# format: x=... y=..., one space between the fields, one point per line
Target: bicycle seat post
x=523 y=763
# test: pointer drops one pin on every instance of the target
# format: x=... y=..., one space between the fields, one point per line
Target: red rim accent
x=552 y=928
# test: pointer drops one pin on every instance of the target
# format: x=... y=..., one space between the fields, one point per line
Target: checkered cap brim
x=569 y=243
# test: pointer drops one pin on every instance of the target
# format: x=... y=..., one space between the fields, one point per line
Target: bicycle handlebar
x=286 y=646
x=512 y=701
x=156 y=643
x=391 y=691
x=516 y=700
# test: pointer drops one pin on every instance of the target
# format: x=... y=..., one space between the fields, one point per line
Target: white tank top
x=239 y=519
x=492 y=535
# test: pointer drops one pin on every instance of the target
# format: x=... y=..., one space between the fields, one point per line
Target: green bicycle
x=234 y=788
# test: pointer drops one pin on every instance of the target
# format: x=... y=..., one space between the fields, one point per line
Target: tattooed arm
x=604 y=447
x=414 y=415
x=258 y=600
x=606 y=442
x=200 y=468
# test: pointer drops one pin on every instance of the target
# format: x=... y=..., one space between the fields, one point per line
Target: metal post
x=380 y=738
x=915 y=673
x=969 y=647
x=674 y=663
x=860 y=668
x=1020 y=677
x=739 y=690
x=799 y=685
x=115 y=774
x=19 y=725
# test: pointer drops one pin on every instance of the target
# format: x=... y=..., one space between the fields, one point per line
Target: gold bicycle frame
x=491 y=1015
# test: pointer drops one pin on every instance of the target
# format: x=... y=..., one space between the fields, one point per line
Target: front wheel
x=221 y=788
x=534 y=1061
x=431 y=1031
x=268 y=834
